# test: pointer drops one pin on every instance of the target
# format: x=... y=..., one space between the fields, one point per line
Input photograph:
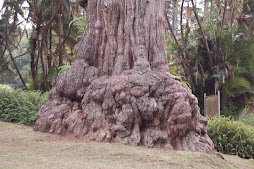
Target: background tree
x=11 y=37
x=214 y=54
x=51 y=39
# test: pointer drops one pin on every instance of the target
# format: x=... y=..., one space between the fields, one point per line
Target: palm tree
x=217 y=57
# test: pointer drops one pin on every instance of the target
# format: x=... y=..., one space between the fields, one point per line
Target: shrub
x=247 y=118
x=232 y=137
x=3 y=86
x=20 y=106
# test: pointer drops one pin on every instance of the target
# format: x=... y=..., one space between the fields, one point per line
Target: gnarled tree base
x=138 y=108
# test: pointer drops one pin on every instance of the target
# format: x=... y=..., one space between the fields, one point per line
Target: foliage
x=174 y=67
x=216 y=54
x=52 y=39
x=20 y=106
x=232 y=137
x=63 y=68
x=5 y=87
x=51 y=78
x=79 y=24
x=232 y=71
x=173 y=71
x=247 y=118
x=230 y=108
x=12 y=44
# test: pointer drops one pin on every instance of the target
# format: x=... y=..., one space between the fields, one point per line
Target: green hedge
x=232 y=137
x=19 y=106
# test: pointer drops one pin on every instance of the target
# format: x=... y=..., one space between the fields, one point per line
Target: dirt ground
x=21 y=147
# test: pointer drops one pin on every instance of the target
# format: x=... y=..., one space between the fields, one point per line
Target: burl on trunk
x=119 y=89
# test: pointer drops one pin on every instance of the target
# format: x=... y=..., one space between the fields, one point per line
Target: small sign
x=212 y=105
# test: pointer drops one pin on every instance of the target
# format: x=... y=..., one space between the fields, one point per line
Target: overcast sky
x=25 y=24
x=1 y=3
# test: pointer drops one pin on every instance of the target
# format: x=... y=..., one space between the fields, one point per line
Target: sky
x=1 y=3
x=25 y=24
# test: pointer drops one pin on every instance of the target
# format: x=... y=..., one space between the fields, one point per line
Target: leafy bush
x=20 y=106
x=79 y=25
x=232 y=137
x=247 y=118
x=3 y=86
x=229 y=108
x=51 y=78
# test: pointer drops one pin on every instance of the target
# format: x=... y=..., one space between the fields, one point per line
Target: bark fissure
x=128 y=27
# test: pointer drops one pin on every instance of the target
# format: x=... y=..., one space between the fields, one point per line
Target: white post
x=204 y=104
x=219 y=103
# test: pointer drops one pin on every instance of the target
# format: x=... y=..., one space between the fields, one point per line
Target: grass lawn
x=21 y=147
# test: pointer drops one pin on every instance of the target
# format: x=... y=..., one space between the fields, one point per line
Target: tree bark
x=205 y=10
x=181 y=20
x=211 y=8
x=232 y=14
x=122 y=35
x=50 y=49
x=174 y=22
x=119 y=89
x=171 y=30
x=33 y=62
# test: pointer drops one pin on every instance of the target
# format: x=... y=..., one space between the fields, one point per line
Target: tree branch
x=46 y=27
x=181 y=20
x=203 y=35
x=233 y=14
x=171 y=29
x=8 y=48
x=17 y=57
x=251 y=26
x=221 y=30
x=12 y=28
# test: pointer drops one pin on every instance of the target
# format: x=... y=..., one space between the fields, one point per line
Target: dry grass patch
x=21 y=147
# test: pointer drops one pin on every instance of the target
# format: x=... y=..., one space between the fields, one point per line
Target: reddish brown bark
x=122 y=35
x=119 y=89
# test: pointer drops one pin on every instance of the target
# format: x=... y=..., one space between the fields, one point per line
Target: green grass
x=21 y=147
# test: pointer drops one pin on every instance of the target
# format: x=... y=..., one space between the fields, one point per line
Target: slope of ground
x=21 y=147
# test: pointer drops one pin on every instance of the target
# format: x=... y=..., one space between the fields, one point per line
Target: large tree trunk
x=119 y=89
x=123 y=34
